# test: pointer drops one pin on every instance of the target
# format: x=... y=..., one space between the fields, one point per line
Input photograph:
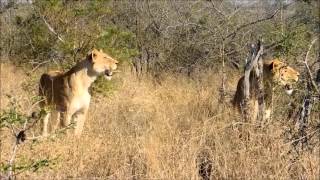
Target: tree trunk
x=255 y=55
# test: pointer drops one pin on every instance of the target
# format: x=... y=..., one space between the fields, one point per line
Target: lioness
x=275 y=73
x=67 y=93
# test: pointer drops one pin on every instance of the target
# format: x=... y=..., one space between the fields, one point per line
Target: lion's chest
x=80 y=101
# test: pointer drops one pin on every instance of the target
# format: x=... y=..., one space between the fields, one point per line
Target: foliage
x=33 y=165
x=158 y=35
x=120 y=44
x=12 y=116
x=11 y=119
x=38 y=32
x=103 y=87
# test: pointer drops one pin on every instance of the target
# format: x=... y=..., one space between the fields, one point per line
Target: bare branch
x=51 y=29
x=11 y=161
x=38 y=65
x=259 y=71
x=307 y=66
x=49 y=26
x=254 y=57
x=250 y=23
x=301 y=138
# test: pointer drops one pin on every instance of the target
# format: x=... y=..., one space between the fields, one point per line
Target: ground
x=146 y=130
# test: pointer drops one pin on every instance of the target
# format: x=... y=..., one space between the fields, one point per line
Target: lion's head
x=283 y=75
x=102 y=63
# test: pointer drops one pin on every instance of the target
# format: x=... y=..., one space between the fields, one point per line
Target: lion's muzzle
x=108 y=74
x=288 y=89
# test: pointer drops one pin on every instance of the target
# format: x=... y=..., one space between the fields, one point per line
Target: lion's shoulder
x=54 y=73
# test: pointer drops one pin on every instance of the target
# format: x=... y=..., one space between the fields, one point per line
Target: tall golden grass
x=147 y=130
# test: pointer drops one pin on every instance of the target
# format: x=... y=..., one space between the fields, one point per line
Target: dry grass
x=149 y=131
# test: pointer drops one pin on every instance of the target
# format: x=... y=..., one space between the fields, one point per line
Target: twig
x=38 y=65
x=12 y=129
x=11 y=161
x=307 y=66
x=51 y=28
x=25 y=128
x=303 y=137
x=58 y=131
x=238 y=123
x=271 y=46
x=217 y=10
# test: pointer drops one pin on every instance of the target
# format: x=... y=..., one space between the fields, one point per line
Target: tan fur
x=67 y=94
x=275 y=73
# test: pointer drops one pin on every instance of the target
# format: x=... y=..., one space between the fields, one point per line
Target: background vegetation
x=167 y=114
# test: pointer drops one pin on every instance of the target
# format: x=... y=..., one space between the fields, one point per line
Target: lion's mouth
x=288 y=89
x=108 y=74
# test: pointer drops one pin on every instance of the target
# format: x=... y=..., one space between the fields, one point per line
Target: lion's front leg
x=268 y=113
x=65 y=119
x=79 y=119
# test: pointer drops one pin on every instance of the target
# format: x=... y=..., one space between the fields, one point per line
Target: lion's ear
x=101 y=50
x=92 y=55
x=271 y=66
x=274 y=64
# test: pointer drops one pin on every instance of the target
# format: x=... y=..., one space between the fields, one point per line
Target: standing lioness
x=275 y=74
x=67 y=93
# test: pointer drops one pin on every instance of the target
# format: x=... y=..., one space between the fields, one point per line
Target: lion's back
x=49 y=85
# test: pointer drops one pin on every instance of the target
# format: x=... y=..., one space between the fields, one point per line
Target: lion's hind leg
x=254 y=111
x=54 y=121
x=50 y=122
x=45 y=122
